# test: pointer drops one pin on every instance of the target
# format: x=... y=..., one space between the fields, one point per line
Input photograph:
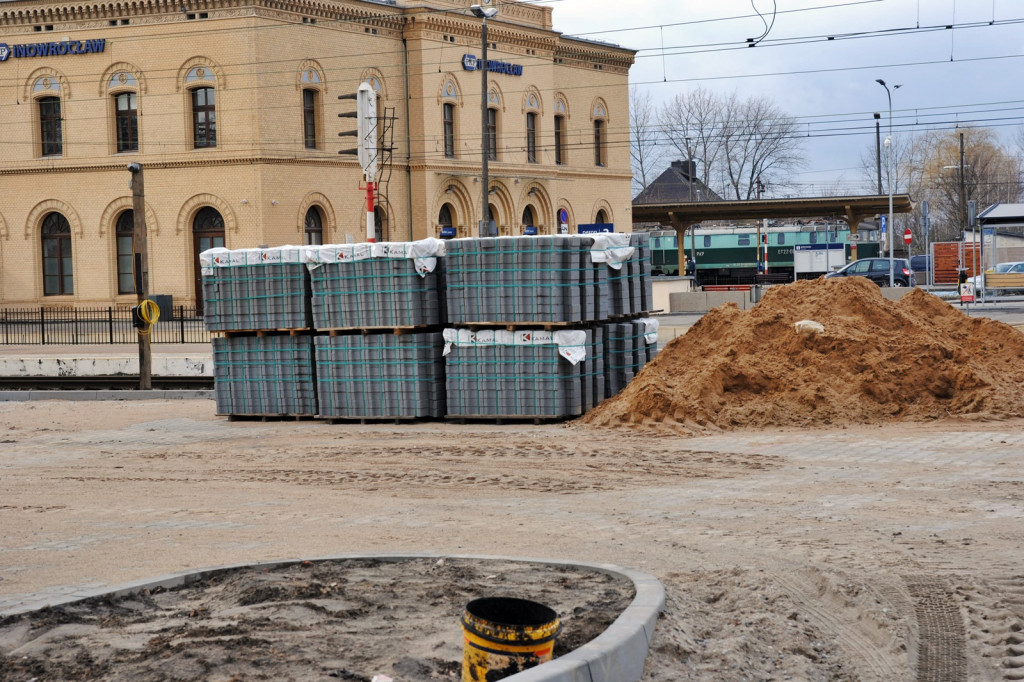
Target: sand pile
x=876 y=360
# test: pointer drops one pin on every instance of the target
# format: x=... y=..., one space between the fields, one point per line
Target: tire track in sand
x=823 y=610
x=941 y=653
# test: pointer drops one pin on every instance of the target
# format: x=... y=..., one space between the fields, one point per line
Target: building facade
x=232 y=109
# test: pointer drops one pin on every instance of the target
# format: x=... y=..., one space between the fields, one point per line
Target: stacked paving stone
x=380 y=376
x=255 y=289
x=365 y=326
x=264 y=375
x=628 y=346
x=527 y=373
x=387 y=298
x=361 y=286
x=362 y=289
x=580 y=282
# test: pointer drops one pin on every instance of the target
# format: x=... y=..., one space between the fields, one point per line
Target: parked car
x=979 y=280
x=877 y=270
x=920 y=263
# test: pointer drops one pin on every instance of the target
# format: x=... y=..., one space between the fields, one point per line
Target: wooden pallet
x=261 y=333
x=268 y=417
x=509 y=419
x=366 y=331
x=518 y=326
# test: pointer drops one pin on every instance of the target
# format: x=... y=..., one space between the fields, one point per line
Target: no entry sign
x=907 y=236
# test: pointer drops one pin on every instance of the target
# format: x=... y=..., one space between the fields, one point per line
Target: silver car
x=979 y=280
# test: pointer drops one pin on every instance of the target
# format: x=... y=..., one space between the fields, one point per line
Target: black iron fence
x=75 y=326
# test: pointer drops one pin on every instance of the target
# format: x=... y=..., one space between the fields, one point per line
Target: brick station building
x=231 y=108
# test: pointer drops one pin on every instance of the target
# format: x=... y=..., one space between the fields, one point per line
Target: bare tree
x=689 y=123
x=645 y=153
x=986 y=174
x=760 y=143
x=737 y=142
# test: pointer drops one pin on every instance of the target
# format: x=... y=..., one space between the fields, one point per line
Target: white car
x=979 y=280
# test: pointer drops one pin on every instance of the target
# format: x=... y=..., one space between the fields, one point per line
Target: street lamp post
x=485 y=213
x=888 y=143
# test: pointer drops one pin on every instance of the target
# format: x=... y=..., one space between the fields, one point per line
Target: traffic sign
x=907 y=236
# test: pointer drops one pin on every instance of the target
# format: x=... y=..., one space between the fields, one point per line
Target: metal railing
x=77 y=326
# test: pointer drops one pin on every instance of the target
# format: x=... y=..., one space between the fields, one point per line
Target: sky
x=970 y=75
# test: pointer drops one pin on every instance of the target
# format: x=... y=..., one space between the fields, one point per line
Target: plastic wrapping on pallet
x=423 y=253
x=611 y=248
x=255 y=289
x=570 y=343
x=522 y=373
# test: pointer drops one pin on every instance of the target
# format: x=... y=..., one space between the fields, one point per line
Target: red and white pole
x=371 y=232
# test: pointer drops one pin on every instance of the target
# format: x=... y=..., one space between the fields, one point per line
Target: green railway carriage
x=729 y=255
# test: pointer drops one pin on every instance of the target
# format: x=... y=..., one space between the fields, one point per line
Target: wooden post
x=141 y=253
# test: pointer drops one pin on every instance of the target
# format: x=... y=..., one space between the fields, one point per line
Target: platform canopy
x=852 y=209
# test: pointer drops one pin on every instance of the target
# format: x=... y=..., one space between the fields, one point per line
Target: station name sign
x=62 y=47
x=471 y=63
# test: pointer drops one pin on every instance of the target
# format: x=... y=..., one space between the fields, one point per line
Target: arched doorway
x=313 y=227
x=445 y=222
x=529 y=221
x=207 y=233
x=380 y=224
x=492 y=210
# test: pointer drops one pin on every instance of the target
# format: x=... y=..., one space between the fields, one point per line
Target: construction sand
x=869 y=537
x=875 y=360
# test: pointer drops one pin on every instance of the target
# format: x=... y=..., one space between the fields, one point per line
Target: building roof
x=1005 y=215
x=675 y=185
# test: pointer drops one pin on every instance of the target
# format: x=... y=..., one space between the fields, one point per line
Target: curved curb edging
x=616 y=655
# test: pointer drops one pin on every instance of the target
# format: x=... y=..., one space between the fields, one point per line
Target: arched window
x=450 y=98
x=491 y=138
x=311 y=82
x=449 y=130
x=561 y=115
x=600 y=118
x=207 y=233
x=314 y=227
x=50 y=124
x=601 y=218
x=531 y=137
x=124 y=235
x=204 y=118
x=309 y=137
x=492 y=134
x=126 y=121
x=58 y=278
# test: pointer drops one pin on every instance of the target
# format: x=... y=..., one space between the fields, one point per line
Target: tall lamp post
x=888 y=143
x=485 y=212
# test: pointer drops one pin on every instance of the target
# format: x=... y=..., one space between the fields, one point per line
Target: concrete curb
x=6 y=396
x=616 y=655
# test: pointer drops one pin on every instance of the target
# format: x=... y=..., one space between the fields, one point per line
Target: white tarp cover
x=424 y=253
x=650 y=329
x=612 y=248
x=571 y=343
x=220 y=257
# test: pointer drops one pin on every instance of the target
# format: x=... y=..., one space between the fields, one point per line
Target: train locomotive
x=737 y=254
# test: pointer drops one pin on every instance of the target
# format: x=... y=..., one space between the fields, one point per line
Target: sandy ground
x=889 y=552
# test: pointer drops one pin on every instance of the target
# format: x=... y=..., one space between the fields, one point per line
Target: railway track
x=126 y=382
